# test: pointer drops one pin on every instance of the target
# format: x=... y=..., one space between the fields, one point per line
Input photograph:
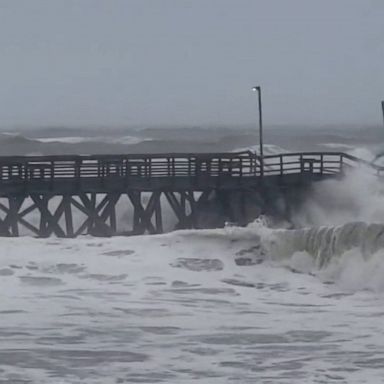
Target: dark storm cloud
x=190 y=62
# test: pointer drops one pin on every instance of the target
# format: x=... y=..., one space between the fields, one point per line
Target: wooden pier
x=72 y=195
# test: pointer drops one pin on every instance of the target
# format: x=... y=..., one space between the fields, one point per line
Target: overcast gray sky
x=190 y=61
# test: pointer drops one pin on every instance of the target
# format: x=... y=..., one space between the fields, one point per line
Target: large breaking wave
x=338 y=235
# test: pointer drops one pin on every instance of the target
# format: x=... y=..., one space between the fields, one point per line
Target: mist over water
x=232 y=305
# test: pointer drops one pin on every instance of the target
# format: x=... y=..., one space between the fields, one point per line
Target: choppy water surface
x=208 y=306
x=237 y=305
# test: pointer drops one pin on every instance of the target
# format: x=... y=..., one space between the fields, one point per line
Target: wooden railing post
x=173 y=166
x=341 y=163
x=281 y=165
x=78 y=169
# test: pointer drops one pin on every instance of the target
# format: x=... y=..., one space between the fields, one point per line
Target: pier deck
x=52 y=188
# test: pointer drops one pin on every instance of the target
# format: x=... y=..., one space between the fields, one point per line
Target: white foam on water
x=232 y=305
x=191 y=306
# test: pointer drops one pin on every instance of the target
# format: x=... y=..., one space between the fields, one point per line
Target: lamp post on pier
x=261 y=152
x=382 y=107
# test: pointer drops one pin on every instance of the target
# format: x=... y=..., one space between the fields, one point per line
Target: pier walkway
x=72 y=195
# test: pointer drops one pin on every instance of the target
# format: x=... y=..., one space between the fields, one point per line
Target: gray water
x=96 y=140
x=235 y=305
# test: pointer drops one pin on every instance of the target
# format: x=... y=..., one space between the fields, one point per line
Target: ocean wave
x=269 y=149
x=338 y=146
x=350 y=255
x=15 y=139
x=128 y=140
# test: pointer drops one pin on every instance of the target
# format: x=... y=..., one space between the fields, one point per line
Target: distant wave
x=338 y=146
x=128 y=140
x=14 y=138
x=269 y=149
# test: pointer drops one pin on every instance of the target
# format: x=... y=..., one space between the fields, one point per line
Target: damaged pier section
x=45 y=195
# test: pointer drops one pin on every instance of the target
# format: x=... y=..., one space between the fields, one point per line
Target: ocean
x=257 y=304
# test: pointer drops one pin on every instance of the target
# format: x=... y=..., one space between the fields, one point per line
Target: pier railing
x=72 y=195
x=321 y=163
x=236 y=165
x=143 y=166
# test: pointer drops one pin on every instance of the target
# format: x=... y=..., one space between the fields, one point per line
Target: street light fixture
x=382 y=107
x=261 y=152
